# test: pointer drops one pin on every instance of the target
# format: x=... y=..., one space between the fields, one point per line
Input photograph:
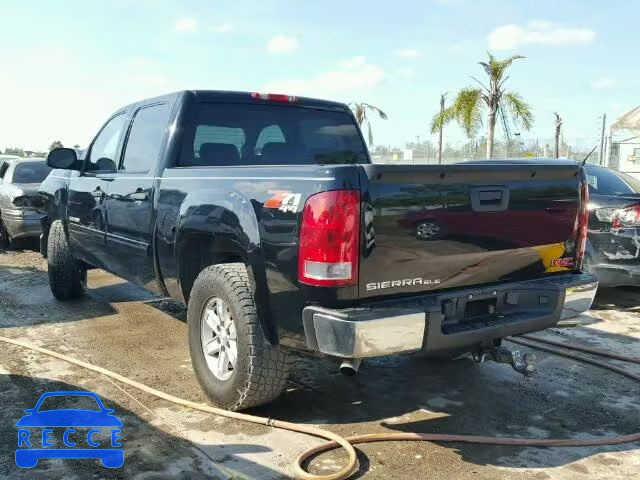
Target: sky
x=65 y=66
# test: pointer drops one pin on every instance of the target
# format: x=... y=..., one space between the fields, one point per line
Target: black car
x=613 y=249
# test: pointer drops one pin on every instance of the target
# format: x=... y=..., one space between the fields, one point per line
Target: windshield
x=31 y=172
x=270 y=135
x=604 y=181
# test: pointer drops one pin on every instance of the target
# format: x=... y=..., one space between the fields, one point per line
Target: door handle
x=489 y=198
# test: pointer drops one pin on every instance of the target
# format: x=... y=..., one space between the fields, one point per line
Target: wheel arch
x=225 y=234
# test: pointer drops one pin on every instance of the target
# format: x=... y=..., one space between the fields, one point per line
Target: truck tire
x=223 y=323
x=67 y=278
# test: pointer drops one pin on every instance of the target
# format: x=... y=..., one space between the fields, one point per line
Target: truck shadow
x=25 y=300
x=149 y=452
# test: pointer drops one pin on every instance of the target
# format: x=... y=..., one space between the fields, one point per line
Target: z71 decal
x=283 y=201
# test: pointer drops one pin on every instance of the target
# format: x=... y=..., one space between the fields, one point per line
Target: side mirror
x=62 y=158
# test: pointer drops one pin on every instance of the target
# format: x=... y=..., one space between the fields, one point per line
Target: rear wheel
x=67 y=277
x=235 y=364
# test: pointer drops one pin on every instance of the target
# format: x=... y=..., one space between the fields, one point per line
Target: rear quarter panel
x=228 y=203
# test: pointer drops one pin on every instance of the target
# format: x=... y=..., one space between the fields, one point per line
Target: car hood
x=69 y=418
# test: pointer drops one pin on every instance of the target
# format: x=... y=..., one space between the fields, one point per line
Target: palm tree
x=360 y=110
x=467 y=107
x=437 y=126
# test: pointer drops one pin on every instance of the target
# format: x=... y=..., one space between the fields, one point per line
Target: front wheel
x=234 y=363
x=67 y=278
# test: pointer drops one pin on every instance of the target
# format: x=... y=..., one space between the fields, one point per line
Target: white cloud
x=282 y=44
x=185 y=25
x=407 y=52
x=510 y=37
x=352 y=76
x=221 y=28
x=603 y=83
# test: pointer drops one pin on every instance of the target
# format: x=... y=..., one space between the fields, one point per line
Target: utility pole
x=558 y=126
x=601 y=156
x=442 y=99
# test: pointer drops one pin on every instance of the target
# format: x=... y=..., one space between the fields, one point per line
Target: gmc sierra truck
x=264 y=214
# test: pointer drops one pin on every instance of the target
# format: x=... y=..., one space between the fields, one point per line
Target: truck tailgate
x=441 y=227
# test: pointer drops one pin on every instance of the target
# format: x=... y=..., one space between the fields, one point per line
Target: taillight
x=26 y=201
x=583 y=225
x=329 y=239
x=626 y=217
x=274 y=97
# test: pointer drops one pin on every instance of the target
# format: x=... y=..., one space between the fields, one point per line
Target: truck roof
x=224 y=96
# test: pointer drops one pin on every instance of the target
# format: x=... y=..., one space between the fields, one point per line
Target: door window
x=145 y=138
x=103 y=154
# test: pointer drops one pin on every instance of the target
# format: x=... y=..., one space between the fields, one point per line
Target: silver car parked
x=20 y=204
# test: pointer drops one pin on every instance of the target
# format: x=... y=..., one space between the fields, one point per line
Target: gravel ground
x=124 y=329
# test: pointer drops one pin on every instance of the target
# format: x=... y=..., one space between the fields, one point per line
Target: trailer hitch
x=524 y=364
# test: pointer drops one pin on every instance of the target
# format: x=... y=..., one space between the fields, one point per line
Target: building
x=624 y=143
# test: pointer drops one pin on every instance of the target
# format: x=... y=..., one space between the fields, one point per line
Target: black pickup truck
x=264 y=214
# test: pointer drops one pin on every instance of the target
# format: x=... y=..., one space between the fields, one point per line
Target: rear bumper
x=616 y=275
x=22 y=223
x=427 y=324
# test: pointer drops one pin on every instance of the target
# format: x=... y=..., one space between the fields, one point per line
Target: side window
x=145 y=138
x=270 y=134
x=102 y=156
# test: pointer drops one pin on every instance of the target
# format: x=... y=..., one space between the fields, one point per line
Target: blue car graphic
x=68 y=418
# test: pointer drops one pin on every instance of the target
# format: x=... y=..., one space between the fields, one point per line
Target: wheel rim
x=219 y=339
x=428 y=230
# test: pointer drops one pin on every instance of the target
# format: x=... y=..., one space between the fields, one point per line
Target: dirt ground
x=124 y=329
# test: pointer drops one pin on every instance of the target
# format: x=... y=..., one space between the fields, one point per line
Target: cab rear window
x=228 y=135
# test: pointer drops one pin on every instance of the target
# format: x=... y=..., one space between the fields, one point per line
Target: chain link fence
x=426 y=153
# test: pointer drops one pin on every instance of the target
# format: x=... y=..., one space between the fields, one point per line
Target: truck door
x=87 y=193
x=130 y=217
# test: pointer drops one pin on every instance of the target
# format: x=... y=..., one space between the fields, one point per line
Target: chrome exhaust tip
x=350 y=366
